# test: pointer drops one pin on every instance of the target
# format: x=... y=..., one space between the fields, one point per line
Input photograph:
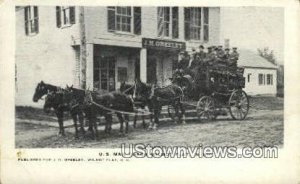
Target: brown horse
x=56 y=99
x=139 y=102
x=158 y=97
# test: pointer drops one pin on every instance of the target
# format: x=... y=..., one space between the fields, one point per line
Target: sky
x=254 y=27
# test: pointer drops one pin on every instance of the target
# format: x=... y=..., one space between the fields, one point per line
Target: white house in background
x=260 y=74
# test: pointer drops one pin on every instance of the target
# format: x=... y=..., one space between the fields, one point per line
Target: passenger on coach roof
x=183 y=62
x=233 y=58
x=194 y=62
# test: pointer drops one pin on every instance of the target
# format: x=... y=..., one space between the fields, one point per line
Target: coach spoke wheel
x=206 y=108
x=238 y=104
x=171 y=112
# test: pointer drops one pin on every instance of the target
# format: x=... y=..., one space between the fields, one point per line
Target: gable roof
x=251 y=59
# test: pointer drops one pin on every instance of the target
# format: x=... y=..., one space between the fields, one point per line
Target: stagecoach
x=216 y=90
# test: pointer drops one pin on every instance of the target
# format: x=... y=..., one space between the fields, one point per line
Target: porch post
x=90 y=66
x=143 y=65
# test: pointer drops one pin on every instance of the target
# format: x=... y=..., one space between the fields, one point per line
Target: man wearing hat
x=194 y=62
x=201 y=54
x=183 y=61
x=233 y=58
x=211 y=56
x=220 y=52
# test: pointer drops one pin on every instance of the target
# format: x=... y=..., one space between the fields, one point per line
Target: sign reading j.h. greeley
x=162 y=44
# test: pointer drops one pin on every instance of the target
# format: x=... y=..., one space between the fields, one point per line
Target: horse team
x=89 y=105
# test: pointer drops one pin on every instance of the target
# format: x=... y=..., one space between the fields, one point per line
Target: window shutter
x=111 y=20
x=72 y=15
x=36 y=19
x=160 y=14
x=206 y=24
x=175 y=22
x=26 y=19
x=137 y=20
x=58 y=16
x=187 y=19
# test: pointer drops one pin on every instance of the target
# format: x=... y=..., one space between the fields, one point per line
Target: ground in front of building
x=264 y=126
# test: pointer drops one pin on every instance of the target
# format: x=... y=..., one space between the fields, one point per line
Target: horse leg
x=60 y=117
x=108 y=119
x=121 y=120
x=126 y=122
x=176 y=118
x=143 y=118
x=95 y=127
x=74 y=116
x=182 y=112
x=134 y=121
x=156 y=117
x=151 y=110
x=81 y=121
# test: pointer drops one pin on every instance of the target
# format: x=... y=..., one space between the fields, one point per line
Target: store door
x=104 y=73
x=151 y=70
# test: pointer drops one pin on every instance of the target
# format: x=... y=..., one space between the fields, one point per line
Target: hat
x=201 y=46
x=227 y=49
x=234 y=48
x=220 y=46
x=193 y=49
x=216 y=48
x=209 y=48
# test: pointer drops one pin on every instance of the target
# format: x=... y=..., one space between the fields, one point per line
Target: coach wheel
x=238 y=104
x=206 y=108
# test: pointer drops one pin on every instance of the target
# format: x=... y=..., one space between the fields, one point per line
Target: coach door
x=104 y=73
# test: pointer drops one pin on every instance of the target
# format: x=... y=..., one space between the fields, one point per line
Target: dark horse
x=95 y=104
x=139 y=101
x=56 y=99
x=158 y=97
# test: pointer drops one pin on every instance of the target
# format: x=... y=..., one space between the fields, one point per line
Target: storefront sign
x=162 y=44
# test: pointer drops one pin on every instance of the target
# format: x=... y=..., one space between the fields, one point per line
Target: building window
x=124 y=19
x=65 y=16
x=196 y=23
x=261 y=79
x=248 y=77
x=31 y=20
x=167 y=22
x=269 y=79
x=104 y=73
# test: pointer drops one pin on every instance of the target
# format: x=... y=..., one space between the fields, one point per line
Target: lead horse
x=163 y=96
x=56 y=99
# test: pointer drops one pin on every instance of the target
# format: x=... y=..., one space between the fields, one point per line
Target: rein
x=144 y=113
x=125 y=91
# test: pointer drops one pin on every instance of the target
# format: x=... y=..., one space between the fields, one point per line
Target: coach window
x=124 y=19
x=269 y=79
x=167 y=22
x=196 y=23
x=31 y=20
x=65 y=16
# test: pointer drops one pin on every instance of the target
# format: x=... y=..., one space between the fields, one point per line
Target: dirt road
x=263 y=127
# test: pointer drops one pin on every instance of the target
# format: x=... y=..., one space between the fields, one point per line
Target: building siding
x=44 y=56
x=253 y=87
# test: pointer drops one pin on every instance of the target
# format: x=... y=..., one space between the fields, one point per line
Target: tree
x=267 y=54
